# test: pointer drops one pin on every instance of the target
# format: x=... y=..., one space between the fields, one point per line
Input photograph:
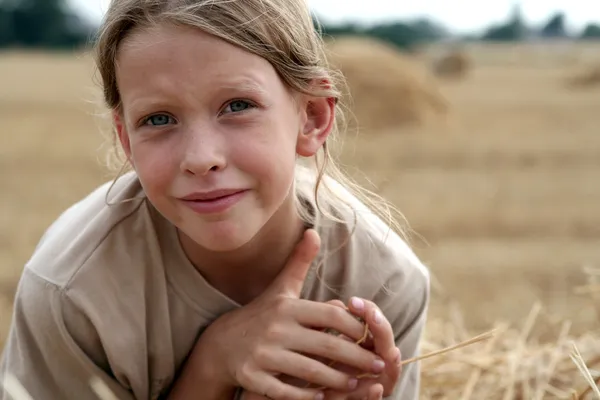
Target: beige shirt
x=109 y=293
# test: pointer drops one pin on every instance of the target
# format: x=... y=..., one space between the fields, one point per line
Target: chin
x=224 y=236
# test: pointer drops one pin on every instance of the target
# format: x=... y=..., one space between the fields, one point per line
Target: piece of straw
x=529 y=323
x=476 y=339
x=585 y=372
x=589 y=390
x=543 y=388
x=476 y=374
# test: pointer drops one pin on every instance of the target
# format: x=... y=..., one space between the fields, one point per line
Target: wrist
x=210 y=363
x=203 y=373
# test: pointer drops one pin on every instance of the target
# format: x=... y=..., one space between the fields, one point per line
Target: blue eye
x=158 y=120
x=238 y=106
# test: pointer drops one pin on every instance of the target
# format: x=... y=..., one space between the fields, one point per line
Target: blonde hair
x=282 y=32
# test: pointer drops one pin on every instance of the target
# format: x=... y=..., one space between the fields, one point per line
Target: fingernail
x=352 y=383
x=357 y=303
x=319 y=396
x=378 y=366
x=378 y=317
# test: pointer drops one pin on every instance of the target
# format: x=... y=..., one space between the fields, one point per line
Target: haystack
x=586 y=79
x=387 y=88
x=453 y=65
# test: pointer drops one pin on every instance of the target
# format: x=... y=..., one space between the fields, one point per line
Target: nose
x=203 y=152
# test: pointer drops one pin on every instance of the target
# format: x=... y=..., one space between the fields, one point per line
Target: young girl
x=213 y=268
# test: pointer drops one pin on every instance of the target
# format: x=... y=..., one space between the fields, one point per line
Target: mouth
x=214 y=202
x=212 y=196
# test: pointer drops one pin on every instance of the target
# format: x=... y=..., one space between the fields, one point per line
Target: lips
x=213 y=202
x=212 y=195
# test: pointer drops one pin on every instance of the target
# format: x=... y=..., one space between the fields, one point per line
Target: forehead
x=184 y=53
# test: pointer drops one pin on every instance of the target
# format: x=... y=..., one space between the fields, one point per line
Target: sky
x=460 y=16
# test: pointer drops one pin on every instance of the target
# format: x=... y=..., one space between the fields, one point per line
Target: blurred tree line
x=42 y=24
x=52 y=24
x=516 y=29
x=407 y=34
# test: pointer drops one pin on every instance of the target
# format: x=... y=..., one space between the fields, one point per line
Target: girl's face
x=213 y=133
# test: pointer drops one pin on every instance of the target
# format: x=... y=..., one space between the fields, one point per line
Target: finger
x=393 y=370
x=379 y=326
x=326 y=316
x=311 y=371
x=291 y=278
x=251 y=396
x=389 y=378
x=334 y=349
x=272 y=388
x=362 y=391
x=346 y=369
x=376 y=392
x=337 y=303
x=368 y=342
x=383 y=340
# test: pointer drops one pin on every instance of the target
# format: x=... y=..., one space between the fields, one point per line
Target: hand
x=381 y=340
x=372 y=392
x=270 y=336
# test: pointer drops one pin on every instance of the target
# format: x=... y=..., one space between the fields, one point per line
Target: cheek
x=268 y=156
x=270 y=164
x=155 y=164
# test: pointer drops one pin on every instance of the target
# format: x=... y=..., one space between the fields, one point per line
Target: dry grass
x=514 y=364
x=503 y=199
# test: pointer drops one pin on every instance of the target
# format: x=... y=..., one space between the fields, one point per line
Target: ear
x=119 y=124
x=318 y=117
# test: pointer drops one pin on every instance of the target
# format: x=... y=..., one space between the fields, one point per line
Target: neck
x=246 y=272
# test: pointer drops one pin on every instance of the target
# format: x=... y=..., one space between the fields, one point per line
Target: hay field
x=503 y=194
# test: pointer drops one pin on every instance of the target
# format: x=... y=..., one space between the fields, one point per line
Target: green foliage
x=40 y=24
x=405 y=35
x=591 y=31
x=555 y=27
x=513 y=30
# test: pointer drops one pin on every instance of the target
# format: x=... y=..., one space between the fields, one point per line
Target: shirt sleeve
x=42 y=354
x=404 y=302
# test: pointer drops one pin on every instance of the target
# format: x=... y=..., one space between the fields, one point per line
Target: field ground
x=504 y=195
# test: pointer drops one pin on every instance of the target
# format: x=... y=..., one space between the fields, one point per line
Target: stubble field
x=503 y=195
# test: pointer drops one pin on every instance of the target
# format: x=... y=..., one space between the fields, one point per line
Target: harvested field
x=502 y=199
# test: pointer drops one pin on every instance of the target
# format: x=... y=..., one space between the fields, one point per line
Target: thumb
x=291 y=278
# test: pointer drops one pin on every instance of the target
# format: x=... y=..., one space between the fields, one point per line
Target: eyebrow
x=245 y=86
x=240 y=85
